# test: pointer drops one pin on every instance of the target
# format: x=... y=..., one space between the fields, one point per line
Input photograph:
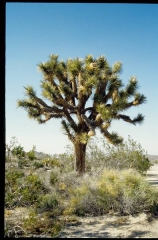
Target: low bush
x=51 y=162
x=113 y=182
x=22 y=190
x=50 y=203
x=41 y=224
x=31 y=155
x=12 y=179
x=18 y=151
x=129 y=192
x=12 y=175
x=54 y=177
x=125 y=192
x=31 y=190
x=38 y=164
x=130 y=154
x=22 y=163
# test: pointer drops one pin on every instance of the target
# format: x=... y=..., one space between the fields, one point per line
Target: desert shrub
x=21 y=190
x=124 y=192
x=54 y=177
x=51 y=203
x=31 y=154
x=38 y=164
x=83 y=201
x=12 y=177
x=128 y=155
x=31 y=190
x=23 y=163
x=66 y=182
x=51 y=162
x=62 y=179
x=41 y=224
x=84 y=198
x=13 y=231
x=67 y=160
x=18 y=151
x=8 y=159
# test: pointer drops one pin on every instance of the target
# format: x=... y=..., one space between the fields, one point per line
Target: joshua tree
x=68 y=85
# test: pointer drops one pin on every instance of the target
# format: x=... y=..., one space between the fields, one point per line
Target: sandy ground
x=152 y=175
x=107 y=226
x=112 y=227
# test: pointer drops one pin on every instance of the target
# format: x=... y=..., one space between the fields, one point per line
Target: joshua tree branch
x=68 y=117
x=124 y=118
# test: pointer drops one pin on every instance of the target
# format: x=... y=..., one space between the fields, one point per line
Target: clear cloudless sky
x=121 y=32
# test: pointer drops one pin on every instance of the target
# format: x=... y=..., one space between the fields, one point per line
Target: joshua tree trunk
x=80 y=153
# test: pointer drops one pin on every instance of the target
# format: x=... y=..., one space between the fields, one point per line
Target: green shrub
x=83 y=202
x=38 y=164
x=12 y=176
x=34 y=225
x=63 y=182
x=31 y=190
x=22 y=190
x=50 y=203
x=51 y=162
x=23 y=163
x=67 y=160
x=128 y=155
x=124 y=192
x=41 y=224
x=127 y=191
x=18 y=151
x=12 y=180
x=54 y=177
x=31 y=154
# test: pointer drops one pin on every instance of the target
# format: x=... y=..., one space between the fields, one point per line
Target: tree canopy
x=72 y=84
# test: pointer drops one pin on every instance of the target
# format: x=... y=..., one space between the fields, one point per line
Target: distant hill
x=152 y=157
x=41 y=155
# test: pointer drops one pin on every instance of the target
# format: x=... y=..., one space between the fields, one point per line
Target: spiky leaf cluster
x=68 y=85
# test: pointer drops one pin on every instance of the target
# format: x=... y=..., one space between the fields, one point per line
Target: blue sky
x=121 y=32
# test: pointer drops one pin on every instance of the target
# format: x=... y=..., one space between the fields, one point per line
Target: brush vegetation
x=49 y=188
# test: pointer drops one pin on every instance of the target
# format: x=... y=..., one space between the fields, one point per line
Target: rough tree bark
x=80 y=154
